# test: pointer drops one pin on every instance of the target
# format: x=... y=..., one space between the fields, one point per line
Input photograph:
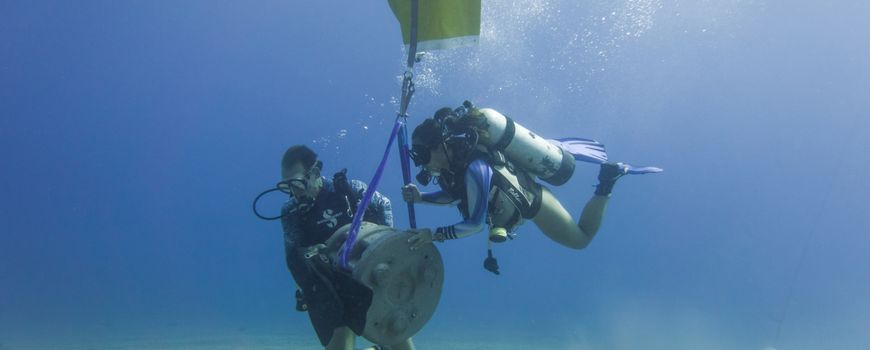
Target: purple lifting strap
x=367 y=199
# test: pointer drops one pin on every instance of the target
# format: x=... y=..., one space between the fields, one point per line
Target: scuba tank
x=527 y=150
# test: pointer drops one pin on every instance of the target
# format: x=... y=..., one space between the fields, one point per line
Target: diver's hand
x=411 y=194
x=421 y=237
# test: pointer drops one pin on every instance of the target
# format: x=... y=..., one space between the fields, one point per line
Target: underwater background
x=134 y=135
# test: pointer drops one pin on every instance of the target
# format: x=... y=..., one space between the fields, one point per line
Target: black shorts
x=335 y=300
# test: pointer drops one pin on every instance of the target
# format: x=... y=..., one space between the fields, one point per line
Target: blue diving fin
x=635 y=170
x=592 y=151
x=584 y=150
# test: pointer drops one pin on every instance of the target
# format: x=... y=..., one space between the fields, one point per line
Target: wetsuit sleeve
x=438 y=197
x=380 y=207
x=292 y=252
x=478 y=180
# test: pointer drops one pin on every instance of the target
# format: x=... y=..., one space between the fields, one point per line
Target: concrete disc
x=406 y=285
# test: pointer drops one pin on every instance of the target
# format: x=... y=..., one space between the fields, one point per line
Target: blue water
x=133 y=136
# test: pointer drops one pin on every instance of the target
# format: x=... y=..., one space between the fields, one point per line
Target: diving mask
x=299 y=184
x=292 y=185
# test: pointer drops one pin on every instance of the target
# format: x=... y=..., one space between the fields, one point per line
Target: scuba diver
x=485 y=163
x=317 y=207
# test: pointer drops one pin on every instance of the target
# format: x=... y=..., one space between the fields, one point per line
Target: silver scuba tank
x=524 y=148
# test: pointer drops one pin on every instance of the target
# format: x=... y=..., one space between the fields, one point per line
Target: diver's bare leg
x=342 y=339
x=405 y=345
x=593 y=213
x=557 y=224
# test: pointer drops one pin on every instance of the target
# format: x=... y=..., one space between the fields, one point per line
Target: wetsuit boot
x=607 y=176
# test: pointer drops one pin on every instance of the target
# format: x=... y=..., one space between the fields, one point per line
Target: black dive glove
x=490 y=264
x=300 y=301
x=607 y=177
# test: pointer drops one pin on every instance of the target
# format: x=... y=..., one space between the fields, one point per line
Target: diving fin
x=592 y=151
x=633 y=170
x=610 y=172
x=584 y=150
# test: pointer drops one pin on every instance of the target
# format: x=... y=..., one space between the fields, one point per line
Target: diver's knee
x=578 y=242
x=578 y=245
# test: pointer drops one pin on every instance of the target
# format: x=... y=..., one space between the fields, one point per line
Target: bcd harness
x=331 y=210
x=514 y=196
x=517 y=187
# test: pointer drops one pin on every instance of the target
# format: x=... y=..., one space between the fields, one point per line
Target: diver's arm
x=293 y=255
x=412 y=194
x=478 y=180
x=438 y=197
x=385 y=209
x=380 y=204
